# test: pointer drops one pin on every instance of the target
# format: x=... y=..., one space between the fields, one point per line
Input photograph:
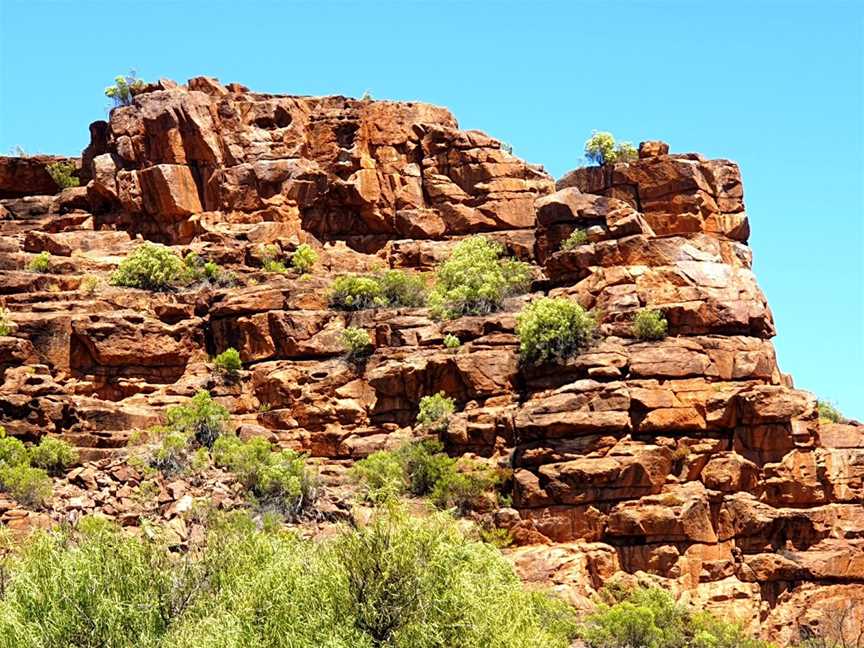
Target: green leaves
x=650 y=325
x=601 y=149
x=553 y=329
x=475 y=280
x=357 y=342
x=150 y=267
x=389 y=289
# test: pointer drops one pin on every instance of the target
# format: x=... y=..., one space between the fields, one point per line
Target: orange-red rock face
x=691 y=459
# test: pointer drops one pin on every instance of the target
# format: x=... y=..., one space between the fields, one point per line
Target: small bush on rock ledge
x=304 y=258
x=390 y=289
x=650 y=324
x=475 y=280
x=577 y=237
x=435 y=412
x=62 y=173
x=149 y=267
x=122 y=92
x=553 y=329
x=201 y=418
x=53 y=455
x=601 y=149
x=40 y=263
x=356 y=342
x=228 y=363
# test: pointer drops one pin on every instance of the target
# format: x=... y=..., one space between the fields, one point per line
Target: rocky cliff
x=690 y=459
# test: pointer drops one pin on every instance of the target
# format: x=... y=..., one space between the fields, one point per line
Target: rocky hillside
x=691 y=459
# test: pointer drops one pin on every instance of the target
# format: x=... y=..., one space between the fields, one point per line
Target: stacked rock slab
x=689 y=460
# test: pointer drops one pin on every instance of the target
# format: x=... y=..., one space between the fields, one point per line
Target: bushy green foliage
x=650 y=617
x=397 y=582
x=435 y=412
x=304 y=258
x=5 y=321
x=422 y=469
x=577 y=237
x=389 y=289
x=277 y=479
x=122 y=90
x=29 y=486
x=357 y=342
x=553 y=329
x=201 y=418
x=649 y=324
x=829 y=413
x=89 y=284
x=62 y=173
x=196 y=269
x=149 y=267
x=228 y=363
x=53 y=455
x=475 y=280
x=40 y=263
x=354 y=292
x=451 y=341
x=173 y=451
x=601 y=149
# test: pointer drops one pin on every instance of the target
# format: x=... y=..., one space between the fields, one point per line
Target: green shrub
x=202 y=419
x=828 y=413
x=40 y=263
x=451 y=341
x=278 y=479
x=53 y=455
x=382 y=476
x=425 y=464
x=553 y=329
x=228 y=363
x=435 y=412
x=6 y=326
x=122 y=90
x=463 y=486
x=356 y=342
x=399 y=288
x=29 y=486
x=650 y=617
x=149 y=267
x=196 y=269
x=172 y=454
x=577 y=237
x=475 y=280
x=353 y=292
x=62 y=173
x=601 y=149
x=89 y=284
x=389 y=289
x=12 y=451
x=650 y=324
x=304 y=258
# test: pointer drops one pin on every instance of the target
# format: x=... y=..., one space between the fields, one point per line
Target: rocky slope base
x=690 y=459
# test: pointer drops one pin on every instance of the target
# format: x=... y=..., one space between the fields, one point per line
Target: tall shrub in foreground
x=553 y=329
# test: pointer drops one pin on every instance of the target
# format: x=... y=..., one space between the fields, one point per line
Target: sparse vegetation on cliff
x=553 y=329
x=63 y=174
x=435 y=412
x=6 y=325
x=122 y=92
x=53 y=455
x=475 y=280
x=228 y=363
x=304 y=258
x=40 y=263
x=201 y=418
x=357 y=343
x=578 y=237
x=649 y=324
x=29 y=485
x=828 y=413
x=601 y=149
x=149 y=267
x=389 y=289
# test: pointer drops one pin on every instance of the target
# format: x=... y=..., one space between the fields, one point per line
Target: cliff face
x=690 y=458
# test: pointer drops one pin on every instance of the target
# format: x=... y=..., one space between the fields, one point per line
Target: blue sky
x=775 y=86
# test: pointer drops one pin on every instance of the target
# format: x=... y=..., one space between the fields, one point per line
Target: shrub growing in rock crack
x=228 y=363
x=475 y=280
x=451 y=341
x=62 y=173
x=122 y=92
x=40 y=263
x=6 y=325
x=279 y=479
x=829 y=413
x=389 y=289
x=304 y=258
x=577 y=237
x=356 y=342
x=435 y=412
x=649 y=324
x=601 y=149
x=553 y=329
x=149 y=267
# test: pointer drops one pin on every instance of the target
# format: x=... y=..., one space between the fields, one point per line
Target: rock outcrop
x=691 y=460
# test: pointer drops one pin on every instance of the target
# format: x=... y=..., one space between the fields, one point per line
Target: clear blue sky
x=776 y=86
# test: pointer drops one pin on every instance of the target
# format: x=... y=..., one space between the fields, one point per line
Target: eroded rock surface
x=691 y=460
